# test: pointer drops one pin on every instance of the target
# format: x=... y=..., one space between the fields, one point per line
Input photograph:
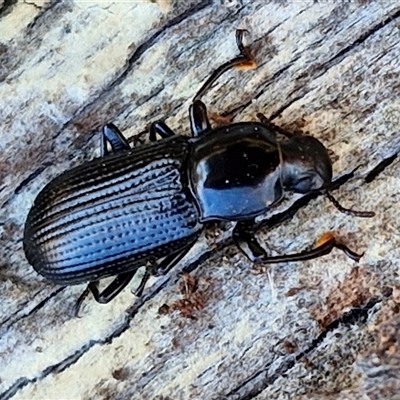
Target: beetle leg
x=270 y=125
x=139 y=290
x=111 y=134
x=243 y=60
x=160 y=128
x=324 y=246
x=171 y=260
x=164 y=267
x=245 y=240
x=199 y=122
x=108 y=293
x=243 y=237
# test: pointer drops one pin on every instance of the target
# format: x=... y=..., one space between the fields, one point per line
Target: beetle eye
x=303 y=185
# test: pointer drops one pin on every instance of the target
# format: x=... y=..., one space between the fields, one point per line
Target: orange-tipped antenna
x=349 y=211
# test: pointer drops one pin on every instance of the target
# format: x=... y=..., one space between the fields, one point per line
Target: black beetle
x=146 y=206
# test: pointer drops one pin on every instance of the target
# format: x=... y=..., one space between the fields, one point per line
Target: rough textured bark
x=321 y=329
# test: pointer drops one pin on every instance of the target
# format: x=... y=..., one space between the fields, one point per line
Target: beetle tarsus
x=81 y=299
x=349 y=253
x=139 y=290
x=239 y=42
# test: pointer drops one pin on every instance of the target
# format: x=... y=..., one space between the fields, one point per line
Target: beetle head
x=306 y=165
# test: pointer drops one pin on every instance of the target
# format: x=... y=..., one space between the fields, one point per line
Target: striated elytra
x=146 y=206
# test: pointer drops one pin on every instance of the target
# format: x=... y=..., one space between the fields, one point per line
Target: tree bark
x=320 y=329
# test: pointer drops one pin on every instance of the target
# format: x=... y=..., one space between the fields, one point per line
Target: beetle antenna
x=349 y=211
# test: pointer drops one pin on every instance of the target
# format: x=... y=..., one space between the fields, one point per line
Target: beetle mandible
x=146 y=206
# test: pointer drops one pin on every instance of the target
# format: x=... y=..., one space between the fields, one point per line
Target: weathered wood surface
x=322 y=329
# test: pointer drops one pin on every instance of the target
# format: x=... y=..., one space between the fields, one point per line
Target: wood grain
x=321 y=329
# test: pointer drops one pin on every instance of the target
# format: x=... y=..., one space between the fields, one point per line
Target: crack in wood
x=21 y=314
x=73 y=358
x=9 y=61
x=349 y=318
x=312 y=73
x=335 y=60
x=7 y=7
x=64 y=6
x=380 y=168
x=233 y=112
x=33 y=4
x=31 y=177
x=135 y=57
x=260 y=381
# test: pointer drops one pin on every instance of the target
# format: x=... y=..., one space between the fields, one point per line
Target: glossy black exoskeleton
x=146 y=206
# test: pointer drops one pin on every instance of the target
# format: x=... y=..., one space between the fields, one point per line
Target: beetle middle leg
x=243 y=236
x=164 y=267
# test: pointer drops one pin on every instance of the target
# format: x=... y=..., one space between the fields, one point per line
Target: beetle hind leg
x=122 y=280
x=108 y=293
x=139 y=290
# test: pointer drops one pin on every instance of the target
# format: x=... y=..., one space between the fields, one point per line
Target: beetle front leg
x=111 y=134
x=108 y=293
x=243 y=236
x=323 y=246
x=243 y=60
